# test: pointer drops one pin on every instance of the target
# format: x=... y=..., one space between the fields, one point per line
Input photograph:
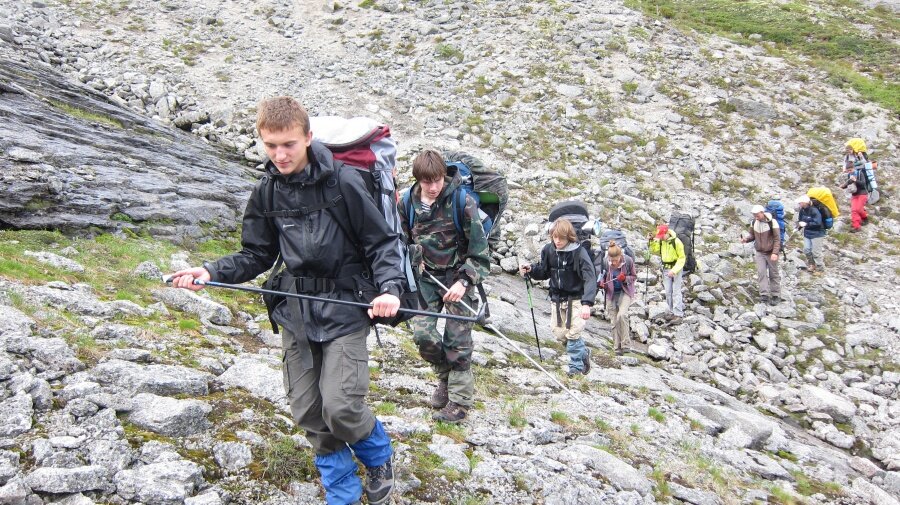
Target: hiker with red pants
x=857 y=182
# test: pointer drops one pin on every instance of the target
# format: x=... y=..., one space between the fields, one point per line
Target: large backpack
x=487 y=187
x=610 y=235
x=576 y=212
x=776 y=209
x=827 y=217
x=683 y=226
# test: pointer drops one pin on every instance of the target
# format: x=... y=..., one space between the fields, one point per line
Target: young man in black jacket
x=325 y=368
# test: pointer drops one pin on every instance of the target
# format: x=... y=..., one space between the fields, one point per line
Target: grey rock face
x=106 y=164
x=156 y=379
x=232 y=455
x=168 y=416
x=68 y=480
x=166 y=483
x=187 y=301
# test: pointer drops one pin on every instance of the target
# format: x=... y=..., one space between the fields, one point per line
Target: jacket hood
x=571 y=246
x=321 y=166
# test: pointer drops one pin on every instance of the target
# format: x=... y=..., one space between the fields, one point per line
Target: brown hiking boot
x=452 y=413
x=440 y=396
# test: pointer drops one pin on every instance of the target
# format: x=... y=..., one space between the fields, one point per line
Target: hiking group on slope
x=340 y=244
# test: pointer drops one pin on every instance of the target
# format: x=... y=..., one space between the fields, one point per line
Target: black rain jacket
x=315 y=246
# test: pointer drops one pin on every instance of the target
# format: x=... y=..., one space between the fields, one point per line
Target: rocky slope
x=163 y=397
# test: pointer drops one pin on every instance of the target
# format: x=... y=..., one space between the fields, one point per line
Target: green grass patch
x=850 y=55
x=283 y=461
x=656 y=415
x=86 y=115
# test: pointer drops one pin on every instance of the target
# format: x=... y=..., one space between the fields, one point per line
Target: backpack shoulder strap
x=333 y=198
x=459 y=211
x=406 y=199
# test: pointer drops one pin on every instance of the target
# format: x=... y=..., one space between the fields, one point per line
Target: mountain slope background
x=115 y=389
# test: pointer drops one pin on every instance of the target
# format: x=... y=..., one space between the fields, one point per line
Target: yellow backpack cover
x=824 y=195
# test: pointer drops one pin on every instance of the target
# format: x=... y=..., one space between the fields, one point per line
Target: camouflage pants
x=450 y=353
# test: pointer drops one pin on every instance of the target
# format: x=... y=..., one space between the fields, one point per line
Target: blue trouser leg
x=576 y=350
x=338 y=471
x=374 y=450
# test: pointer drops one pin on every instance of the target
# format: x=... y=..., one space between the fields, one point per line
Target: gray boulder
x=68 y=480
x=156 y=379
x=232 y=455
x=168 y=483
x=620 y=474
x=817 y=399
x=188 y=301
x=168 y=416
x=259 y=374
x=15 y=415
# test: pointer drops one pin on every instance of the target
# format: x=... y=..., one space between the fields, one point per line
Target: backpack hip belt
x=313 y=285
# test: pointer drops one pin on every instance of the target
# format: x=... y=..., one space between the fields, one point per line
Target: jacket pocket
x=355 y=369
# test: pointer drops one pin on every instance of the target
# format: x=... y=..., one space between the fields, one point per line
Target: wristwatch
x=464 y=282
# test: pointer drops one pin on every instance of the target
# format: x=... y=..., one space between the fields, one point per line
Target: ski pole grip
x=167 y=279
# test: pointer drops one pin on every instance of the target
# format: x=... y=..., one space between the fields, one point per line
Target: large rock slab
x=168 y=416
x=817 y=399
x=167 y=483
x=620 y=474
x=259 y=374
x=164 y=380
x=188 y=301
x=68 y=480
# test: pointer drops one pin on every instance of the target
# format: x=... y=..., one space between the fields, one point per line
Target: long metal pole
x=251 y=289
x=533 y=319
x=515 y=345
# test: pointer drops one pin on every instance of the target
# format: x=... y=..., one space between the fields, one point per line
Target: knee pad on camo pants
x=431 y=352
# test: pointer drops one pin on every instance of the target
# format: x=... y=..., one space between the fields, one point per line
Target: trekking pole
x=533 y=319
x=261 y=291
x=516 y=346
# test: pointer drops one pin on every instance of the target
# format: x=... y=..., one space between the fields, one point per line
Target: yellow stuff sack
x=824 y=195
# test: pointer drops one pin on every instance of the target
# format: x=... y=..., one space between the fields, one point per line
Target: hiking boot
x=854 y=230
x=451 y=413
x=865 y=221
x=620 y=352
x=440 y=396
x=674 y=320
x=380 y=482
x=774 y=300
x=586 y=359
x=764 y=299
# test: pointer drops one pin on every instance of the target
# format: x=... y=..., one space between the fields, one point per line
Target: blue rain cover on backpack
x=776 y=209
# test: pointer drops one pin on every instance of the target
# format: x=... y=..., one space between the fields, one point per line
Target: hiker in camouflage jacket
x=459 y=262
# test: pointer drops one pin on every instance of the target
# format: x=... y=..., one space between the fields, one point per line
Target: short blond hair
x=281 y=113
x=562 y=228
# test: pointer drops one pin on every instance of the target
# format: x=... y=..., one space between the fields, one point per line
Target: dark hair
x=429 y=166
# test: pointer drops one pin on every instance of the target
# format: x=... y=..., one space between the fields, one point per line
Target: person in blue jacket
x=810 y=220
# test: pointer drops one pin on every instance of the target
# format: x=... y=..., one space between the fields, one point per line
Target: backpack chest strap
x=302 y=211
